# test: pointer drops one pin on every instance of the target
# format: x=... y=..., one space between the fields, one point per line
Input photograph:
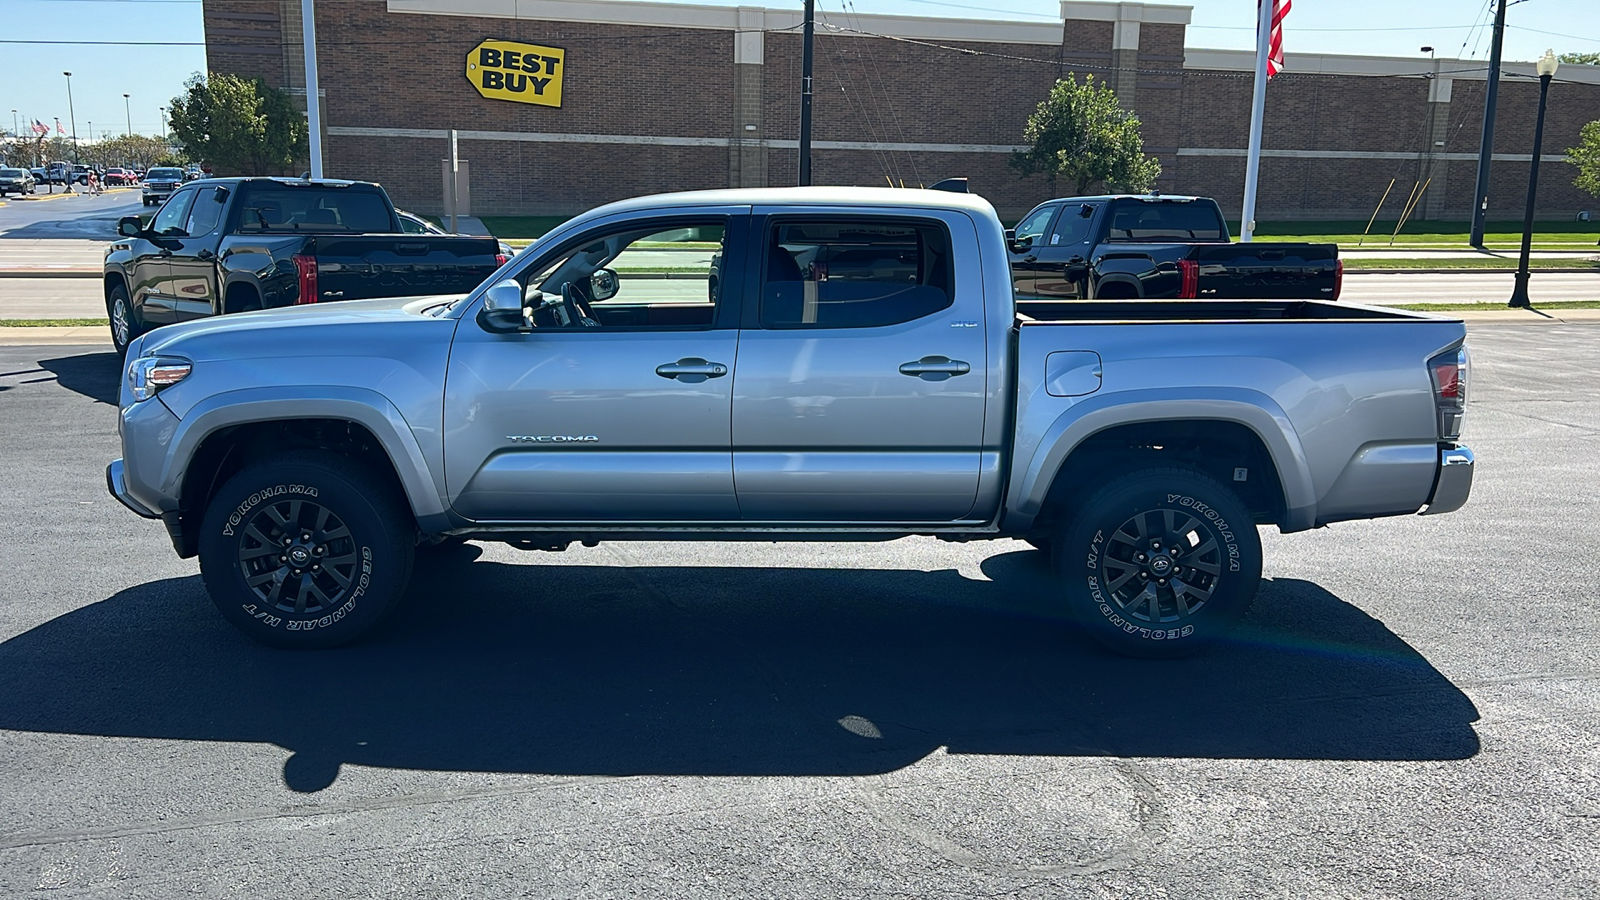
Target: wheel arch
x=1214 y=434
x=226 y=432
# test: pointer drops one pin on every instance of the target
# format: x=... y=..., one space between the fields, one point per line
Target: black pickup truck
x=227 y=245
x=1126 y=246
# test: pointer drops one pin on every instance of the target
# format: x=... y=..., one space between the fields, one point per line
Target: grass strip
x=53 y=323
x=1508 y=265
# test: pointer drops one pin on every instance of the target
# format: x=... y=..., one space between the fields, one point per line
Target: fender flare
x=1251 y=409
x=365 y=407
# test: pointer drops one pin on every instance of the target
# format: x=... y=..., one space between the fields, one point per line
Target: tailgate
x=1268 y=271
x=367 y=266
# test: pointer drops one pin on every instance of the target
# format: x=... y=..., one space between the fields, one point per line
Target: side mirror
x=130 y=226
x=502 y=308
x=1085 y=211
x=1020 y=245
x=603 y=284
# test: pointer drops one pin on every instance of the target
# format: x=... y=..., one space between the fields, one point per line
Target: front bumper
x=1454 y=482
x=117 y=484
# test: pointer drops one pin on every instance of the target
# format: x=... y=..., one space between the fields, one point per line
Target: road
x=1411 y=711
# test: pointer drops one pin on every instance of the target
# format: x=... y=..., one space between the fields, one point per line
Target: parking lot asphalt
x=1410 y=712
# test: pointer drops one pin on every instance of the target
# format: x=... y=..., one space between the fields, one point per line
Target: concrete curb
x=49 y=273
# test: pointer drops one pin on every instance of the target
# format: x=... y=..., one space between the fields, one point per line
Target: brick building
x=658 y=97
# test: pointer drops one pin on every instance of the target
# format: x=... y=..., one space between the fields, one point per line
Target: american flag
x=1280 y=9
x=59 y=129
x=40 y=127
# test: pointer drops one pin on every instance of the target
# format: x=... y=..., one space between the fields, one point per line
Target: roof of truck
x=910 y=198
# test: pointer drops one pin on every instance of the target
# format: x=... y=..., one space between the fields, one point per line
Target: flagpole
x=1258 y=109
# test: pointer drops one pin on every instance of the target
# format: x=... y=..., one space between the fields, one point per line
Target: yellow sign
x=524 y=73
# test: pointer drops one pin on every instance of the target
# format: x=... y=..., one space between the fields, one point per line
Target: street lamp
x=163 y=122
x=1546 y=67
x=71 y=113
x=129 y=111
x=14 y=131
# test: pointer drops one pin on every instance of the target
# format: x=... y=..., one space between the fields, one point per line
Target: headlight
x=150 y=374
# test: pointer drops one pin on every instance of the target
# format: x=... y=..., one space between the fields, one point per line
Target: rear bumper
x=1454 y=482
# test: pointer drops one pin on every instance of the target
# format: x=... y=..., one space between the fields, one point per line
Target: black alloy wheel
x=1160 y=562
x=309 y=549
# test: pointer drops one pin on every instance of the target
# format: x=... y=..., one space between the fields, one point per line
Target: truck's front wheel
x=1160 y=562
x=307 y=550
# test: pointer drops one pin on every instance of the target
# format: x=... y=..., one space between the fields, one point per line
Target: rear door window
x=854 y=273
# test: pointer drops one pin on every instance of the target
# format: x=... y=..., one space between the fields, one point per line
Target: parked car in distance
x=120 y=176
x=16 y=181
x=411 y=223
x=159 y=183
x=58 y=173
x=863 y=374
x=1153 y=247
x=228 y=245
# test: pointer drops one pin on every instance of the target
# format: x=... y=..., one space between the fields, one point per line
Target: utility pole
x=805 y=93
x=74 y=116
x=308 y=28
x=1480 y=194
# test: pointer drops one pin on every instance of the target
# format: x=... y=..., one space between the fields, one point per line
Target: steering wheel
x=576 y=307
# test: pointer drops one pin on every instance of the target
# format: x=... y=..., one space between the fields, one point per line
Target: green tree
x=1081 y=134
x=238 y=125
x=1582 y=59
x=1586 y=156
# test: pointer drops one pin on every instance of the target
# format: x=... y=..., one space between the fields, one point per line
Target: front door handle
x=205 y=254
x=935 y=368
x=692 y=370
x=1027 y=259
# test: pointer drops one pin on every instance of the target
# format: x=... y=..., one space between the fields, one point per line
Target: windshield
x=313 y=207
x=165 y=173
x=11 y=173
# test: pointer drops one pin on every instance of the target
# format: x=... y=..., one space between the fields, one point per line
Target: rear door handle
x=692 y=370
x=935 y=368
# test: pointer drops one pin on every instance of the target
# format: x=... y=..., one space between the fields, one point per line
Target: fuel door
x=1072 y=373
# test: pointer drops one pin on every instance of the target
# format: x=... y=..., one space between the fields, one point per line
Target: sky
x=47 y=37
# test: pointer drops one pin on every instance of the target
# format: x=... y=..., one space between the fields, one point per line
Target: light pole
x=14 y=131
x=1546 y=67
x=163 y=123
x=73 y=115
x=129 y=111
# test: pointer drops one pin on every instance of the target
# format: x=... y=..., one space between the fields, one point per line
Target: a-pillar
x=747 y=150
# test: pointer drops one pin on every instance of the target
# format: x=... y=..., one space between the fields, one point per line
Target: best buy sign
x=525 y=73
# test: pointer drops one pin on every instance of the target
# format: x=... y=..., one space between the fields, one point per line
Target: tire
x=1125 y=585
x=126 y=324
x=354 y=550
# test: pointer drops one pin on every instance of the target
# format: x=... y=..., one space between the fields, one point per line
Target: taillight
x=1338 y=278
x=1449 y=373
x=1188 y=279
x=305 y=270
x=500 y=259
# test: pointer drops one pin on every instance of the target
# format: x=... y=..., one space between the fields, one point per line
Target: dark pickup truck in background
x=228 y=245
x=1128 y=246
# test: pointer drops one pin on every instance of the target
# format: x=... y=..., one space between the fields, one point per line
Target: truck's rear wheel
x=305 y=551
x=1159 y=563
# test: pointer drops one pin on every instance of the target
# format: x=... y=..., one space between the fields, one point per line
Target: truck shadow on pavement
x=97 y=376
x=617 y=670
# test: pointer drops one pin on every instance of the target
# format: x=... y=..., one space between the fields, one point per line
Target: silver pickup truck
x=839 y=364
